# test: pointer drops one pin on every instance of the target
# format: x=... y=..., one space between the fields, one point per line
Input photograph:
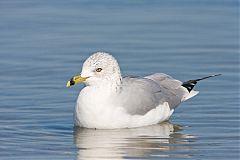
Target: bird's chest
x=93 y=107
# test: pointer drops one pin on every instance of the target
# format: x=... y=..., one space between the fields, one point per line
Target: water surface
x=43 y=43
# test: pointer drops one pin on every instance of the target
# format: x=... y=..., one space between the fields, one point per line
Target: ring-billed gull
x=110 y=101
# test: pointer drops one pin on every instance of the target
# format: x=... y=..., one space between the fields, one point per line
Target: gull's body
x=110 y=101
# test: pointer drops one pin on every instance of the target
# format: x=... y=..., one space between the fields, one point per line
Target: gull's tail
x=191 y=83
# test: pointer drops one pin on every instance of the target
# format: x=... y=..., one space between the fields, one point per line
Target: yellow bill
x=76 y=79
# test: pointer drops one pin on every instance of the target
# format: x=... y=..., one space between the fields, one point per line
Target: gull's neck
x=111 y=83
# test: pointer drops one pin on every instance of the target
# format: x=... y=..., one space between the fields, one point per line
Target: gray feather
x=145 y=94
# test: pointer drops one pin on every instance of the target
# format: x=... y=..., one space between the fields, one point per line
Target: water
x=43 y=43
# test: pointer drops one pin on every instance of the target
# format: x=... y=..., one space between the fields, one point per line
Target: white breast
x=97 y=111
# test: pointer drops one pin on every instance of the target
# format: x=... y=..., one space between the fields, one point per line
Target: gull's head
x=99 y=68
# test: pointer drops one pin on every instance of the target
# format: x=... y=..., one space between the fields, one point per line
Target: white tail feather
x=190 y=95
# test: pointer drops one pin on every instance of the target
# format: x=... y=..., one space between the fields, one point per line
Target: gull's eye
x=98 y=69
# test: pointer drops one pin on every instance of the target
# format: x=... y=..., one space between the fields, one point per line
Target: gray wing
x=172 y=85
x=140 y=95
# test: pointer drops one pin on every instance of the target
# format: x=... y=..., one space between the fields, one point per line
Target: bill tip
x=68 y=84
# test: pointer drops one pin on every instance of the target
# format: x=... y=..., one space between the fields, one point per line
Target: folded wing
x=140 y=95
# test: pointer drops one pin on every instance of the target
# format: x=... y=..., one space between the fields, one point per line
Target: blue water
x=43 y=43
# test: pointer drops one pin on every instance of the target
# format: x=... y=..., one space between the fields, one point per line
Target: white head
x=99 y=68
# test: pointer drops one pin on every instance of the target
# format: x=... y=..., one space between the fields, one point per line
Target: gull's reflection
x=162 y=140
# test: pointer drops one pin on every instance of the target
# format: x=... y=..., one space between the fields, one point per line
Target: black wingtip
x=189 y=85
x=215 y=75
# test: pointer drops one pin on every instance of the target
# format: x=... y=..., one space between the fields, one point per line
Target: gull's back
x=140 y=95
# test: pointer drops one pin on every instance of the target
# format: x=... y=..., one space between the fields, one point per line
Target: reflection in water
x=161 y=140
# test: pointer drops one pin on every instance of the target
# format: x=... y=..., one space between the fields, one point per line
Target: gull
x=110 y=101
